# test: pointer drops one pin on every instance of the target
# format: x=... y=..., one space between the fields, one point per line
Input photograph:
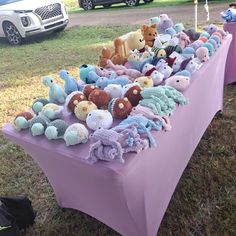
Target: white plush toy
x=99 y=119
x=115 y=90
x=165 y=70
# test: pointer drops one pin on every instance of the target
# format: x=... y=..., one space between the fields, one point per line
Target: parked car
x=90 y=4
x=22 y=18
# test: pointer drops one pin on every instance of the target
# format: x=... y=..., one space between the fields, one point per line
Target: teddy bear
x=135 y=40
x=149 y=33
x=105 y=54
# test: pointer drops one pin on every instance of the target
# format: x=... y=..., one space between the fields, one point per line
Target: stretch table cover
x=230 y=69
x=132 y=198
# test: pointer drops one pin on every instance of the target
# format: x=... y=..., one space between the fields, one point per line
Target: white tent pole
x=207 y=10
x=195 y=24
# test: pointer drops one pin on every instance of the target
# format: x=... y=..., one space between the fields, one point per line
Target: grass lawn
x=73 y=6
x=204 y=202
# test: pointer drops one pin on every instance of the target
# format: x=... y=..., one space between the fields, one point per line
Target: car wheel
x=147 y=1
x=12 y=34
x=131 y=3
x=106 y=5
x=87 y=4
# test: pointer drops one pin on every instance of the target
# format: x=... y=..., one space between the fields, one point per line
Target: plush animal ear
x=144 y=27
x=154 y=26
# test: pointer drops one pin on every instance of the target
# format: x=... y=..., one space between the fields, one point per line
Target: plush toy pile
x=230 y=14
x=141 y=86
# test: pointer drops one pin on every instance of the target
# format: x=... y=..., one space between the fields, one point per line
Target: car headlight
x=25 y=21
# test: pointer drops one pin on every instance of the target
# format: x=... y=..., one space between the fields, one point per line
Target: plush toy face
x=178 y=82
x=154 y=20
x=83 y=108
x=99 y=97
x=210 y=48
x=136 y=41
x=147 y=67
x=192 y=66
x=165 y=70
x=171 y=31
x=179 y=27
x=120 y=107
x=202 y=54
x=48 y=81
x=145 y=81
x=211 y=29
x=176 y=65
x=149 y=33
x=165 y=24
x=98 y=119
x=134 y=55
x=161 y=62
x=84 y=73
x=132 y=93
x=115 y=90
x=163 y=17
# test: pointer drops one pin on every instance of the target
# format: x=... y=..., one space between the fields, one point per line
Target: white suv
x=22 y=18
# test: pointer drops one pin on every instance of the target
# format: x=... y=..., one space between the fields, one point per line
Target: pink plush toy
x=104 y=72
x=178 y=82
x=122 y=70
x=184 y=40
x=202 y=54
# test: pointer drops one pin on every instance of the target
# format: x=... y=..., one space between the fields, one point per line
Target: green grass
x=204 y=202
x=73 y=6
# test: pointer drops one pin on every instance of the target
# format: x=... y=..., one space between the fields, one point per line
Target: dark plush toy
x=170 y=49
x=88 y=89
x=192 y=34
x=132 y=92
x=99 y=97
x=73 y=99
x=120 y=108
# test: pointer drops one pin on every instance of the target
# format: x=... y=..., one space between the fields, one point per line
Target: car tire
x=87 y=4
x=147 y=1
x=106 y=5
x=12 y=34
x=131 y=3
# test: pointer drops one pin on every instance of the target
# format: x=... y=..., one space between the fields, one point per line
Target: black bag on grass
x=16 y=213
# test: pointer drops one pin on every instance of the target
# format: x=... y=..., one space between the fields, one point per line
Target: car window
x=5 y=2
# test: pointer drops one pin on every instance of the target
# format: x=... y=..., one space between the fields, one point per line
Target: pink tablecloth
x=132 y=198
x=230 y=69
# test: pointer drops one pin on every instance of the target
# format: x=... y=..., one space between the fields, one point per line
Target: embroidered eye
x=150 y=34
x=51 y=81
x=177 y=81
x=140 y=40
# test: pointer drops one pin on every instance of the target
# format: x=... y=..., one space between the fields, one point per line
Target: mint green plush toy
x=38 y=125
x=38 y=105
x=56 y=129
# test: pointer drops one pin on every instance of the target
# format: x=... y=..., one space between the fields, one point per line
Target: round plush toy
x=56 y=129
x=115 y=90
x=203 y=39
x=83 y=108
x=180 y=83
x=145 y=81
x=38 y=125
x=219 y=35
x=76 y=134
x=97 y=119
x=99 y=97
x=52 y=111
x=22 y=120
x=120 y=107
x=73 y=99
x=38 y=104
x=132 y=92
x=88 y=89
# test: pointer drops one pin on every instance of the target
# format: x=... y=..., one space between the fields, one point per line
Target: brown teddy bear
x=149 y=33
x=105 y=55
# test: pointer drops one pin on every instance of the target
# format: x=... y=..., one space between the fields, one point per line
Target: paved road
x=132 y=16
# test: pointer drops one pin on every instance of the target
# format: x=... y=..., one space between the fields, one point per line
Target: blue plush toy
x=84 y=73
x=184 y=73
x=188 y=50
x=38 y=105
x=71 y=84
x=154 y=20
x=217 y=39
x=210 y=48
x=56 y=93
x=205 y=34
x=102 y=82
x=179 y=27
x=229 y=15
x=213 y=42
x=171 y=31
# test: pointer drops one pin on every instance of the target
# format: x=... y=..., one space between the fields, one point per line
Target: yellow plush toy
x=135 y=40
x=145 y=81
x=83 y=108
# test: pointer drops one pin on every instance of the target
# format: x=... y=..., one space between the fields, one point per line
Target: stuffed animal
x=165 y=70
x=120 y=107
x=38 y=105
x=134 y=55
x=184 y=39
x=117 y=57
x=179 y=27
x=83 y=108
x=213 y=28
x=98 y=119
x=145 y=81
x=203 y=39
x=104 y=56
x=159 y=62
x=71 y=84
x=192 y=34
x=177 y=64
x=148 y=113
x=189 y=65
x=84 y=73
x=185 y=73
x=100 y=98
x=136 y=40
x=202 y=54
x=165 y=24
x=196 y=44
x=38 y=125
x=114 y=90
x=21 y=121
x=56 y=93
x=150 y=70
x=154 y=20
x=188 y=50
x=159 y=52
x=73 y=99
x=229 y=15
x=171 y=31
x=88 y=89
x=56 y=129
x=163 y=17
x=170 y=49
x=149 y=33
x=216 y=39
x=219 y=35
x=210 y=48
x=205 y=34
x=213 y=43
x=52 y=111
x=132 y=92
x=180 y=83
x=76 y=134
x=100 y=71
x=102 y=82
